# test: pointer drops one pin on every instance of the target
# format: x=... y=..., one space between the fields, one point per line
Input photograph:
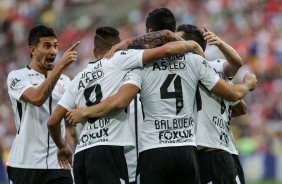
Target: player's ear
x=149 y=30
x=31 y=51
x=95 y=53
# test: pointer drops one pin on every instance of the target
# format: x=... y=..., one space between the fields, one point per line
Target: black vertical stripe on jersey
x=198 y=99
x=20 y=112
x=142 y=108
x=136 y=125
x=48 y=138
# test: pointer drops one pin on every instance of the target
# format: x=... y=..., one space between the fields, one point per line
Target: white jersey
x=168 y=88
x=213 y=119
x=135 y=123
x=102 y=79
x=33 y=147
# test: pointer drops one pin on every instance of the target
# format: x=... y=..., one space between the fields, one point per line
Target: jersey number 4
x=177 y=94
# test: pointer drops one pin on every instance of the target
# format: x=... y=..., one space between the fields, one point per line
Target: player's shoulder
x=195 y=60
x=18 y=72
x=126 y=53
x=190 y=56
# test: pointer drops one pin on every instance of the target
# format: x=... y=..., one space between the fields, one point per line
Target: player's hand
x=75 y=116
x=251 y=80
x=64 y=156
x=211 y=38
x=120 y=46
x=69 y=56
x=197 y=48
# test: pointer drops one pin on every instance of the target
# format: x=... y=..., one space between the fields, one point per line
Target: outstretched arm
x=152 y=38
x=171 y=49
x=231 y=67
x=235 y=92
x=108 y=107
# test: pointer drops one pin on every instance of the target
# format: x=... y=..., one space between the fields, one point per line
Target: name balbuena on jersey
x=213 y=119
x=168 y=88
x=98 y=81
x=33 y=147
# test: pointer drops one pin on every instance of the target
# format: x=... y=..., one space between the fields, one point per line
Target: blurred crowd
x=252 y=27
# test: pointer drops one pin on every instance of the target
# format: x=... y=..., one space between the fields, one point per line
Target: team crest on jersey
x=60 y=87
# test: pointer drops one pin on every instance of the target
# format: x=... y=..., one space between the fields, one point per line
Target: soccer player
x=213 y=136
x=34 y=91
x=168 y=152
x=99 y=156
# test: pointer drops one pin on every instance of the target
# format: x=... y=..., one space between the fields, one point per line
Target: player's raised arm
x=37 y=96
x=231 y=67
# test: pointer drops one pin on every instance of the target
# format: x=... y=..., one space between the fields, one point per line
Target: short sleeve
x=67 y=100
x=206 y=73
x=134 y=77
x=17 y=84
x=128 y=59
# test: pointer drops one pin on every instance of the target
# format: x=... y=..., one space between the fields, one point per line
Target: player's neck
x=37 y=68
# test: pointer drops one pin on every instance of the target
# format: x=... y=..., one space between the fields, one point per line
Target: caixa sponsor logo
x=97 y=135
x=169 y=135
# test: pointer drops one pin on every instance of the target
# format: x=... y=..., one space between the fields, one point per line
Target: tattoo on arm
x=155 y=38
x=73 y=140
x=51 y=86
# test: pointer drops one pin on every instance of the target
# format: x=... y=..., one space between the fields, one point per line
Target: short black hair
x=38 y=32
x=192 y=32
x=105 y=38
x=161 y=18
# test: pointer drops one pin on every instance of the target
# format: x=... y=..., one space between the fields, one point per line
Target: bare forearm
x=235 y=92
x=231 y=55
x=176 y=48
x=54 y=125
x=55 y=133
x=39 y=95
x=71 y=136
x=104 y=109
x=49 y=84
x=240 y=91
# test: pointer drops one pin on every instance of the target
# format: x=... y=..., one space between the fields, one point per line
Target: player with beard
x=34 y=92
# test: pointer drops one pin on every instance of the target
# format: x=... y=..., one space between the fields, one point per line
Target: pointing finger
x=205 y=28
x=74 y=46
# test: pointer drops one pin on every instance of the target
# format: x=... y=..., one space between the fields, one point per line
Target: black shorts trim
x=39 y=176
